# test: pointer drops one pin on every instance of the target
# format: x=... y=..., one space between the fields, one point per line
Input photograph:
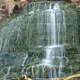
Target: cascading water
x=45 y=31
x=54 y=38
x=50 y=33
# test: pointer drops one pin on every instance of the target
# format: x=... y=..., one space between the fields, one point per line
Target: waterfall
x=55 y=48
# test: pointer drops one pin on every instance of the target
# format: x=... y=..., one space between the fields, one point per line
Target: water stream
x=55 y=48
x=45 y=27
x=7 y=75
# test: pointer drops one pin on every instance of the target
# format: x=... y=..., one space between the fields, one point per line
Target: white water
x=53 y=39
x=54 y=48
x=54 y=44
